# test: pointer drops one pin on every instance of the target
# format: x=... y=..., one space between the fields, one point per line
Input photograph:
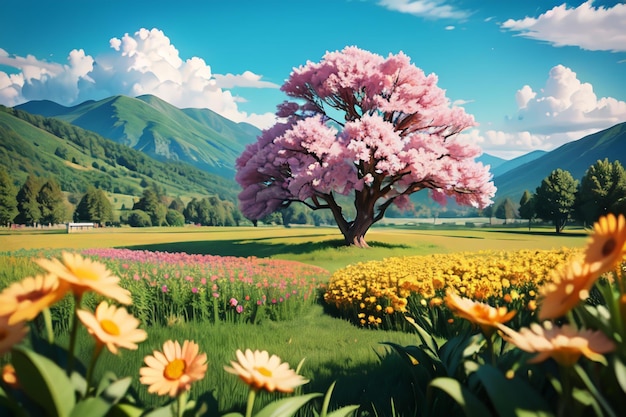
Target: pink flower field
x=168 y=287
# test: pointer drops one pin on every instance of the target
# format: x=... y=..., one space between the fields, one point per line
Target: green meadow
x=320 y=246
x=365 y=370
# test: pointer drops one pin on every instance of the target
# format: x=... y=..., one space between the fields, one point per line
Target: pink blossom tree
x=361 y=125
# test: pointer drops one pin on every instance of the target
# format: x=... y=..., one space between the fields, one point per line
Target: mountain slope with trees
x=199 y=137
x=77 y=158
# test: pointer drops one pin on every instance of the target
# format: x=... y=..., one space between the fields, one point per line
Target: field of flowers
x=498 y=332
x=379 y=293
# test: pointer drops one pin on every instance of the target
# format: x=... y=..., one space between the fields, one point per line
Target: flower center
x=175 y=369
x=264 y=371
x=86 y=274
x=3 y=334
x=608 y=247
x=110 y=327
x=30 y=296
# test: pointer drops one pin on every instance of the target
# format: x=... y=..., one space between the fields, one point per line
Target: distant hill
x=199 y=137
x=516 y=162
x=492 y=161
x=77 y=158
x=575 y=157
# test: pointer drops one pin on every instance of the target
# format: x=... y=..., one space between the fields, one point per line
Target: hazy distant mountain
x=575 y=157
x=515 y=162
x=199 y=137
x=492 y=161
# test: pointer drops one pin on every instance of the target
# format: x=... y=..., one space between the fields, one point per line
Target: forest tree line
x=559 y=199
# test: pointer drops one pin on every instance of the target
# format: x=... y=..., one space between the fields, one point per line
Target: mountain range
x=199 y=137
x=212 y=143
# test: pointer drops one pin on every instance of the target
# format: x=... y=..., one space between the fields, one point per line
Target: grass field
x=320 y=246
x=335 y=350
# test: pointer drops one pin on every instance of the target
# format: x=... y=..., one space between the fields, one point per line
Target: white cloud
x=588 y=27
x=562 y=110
x=247 y=79
x=143 y=63
x=436 y=9
x=564 y=104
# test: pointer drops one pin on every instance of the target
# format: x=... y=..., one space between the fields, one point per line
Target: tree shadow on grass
x=259 y=247
x=541 y=233
x=384 y=389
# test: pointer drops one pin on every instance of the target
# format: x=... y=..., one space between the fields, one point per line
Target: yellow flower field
x=366 y=292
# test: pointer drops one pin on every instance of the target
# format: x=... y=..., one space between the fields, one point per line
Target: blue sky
x=535 y=74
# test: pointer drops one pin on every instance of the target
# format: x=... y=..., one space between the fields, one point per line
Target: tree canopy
x=602 y=191
x=8 y=201
x=95 y=207
x=373 y=128
x=555 y=198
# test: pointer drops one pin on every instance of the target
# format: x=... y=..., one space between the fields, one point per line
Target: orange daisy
x=10 y=334
x=84 y=274
x=569 y=285
x=480 y=314
x=173 y=370
x=25 y=299
x=113 y=327
x=606 y=245
x=261 y=371
x=564 y=344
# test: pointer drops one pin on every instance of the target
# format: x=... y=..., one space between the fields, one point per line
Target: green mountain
x=575 y=157
x=199 y=137
x=77 y=158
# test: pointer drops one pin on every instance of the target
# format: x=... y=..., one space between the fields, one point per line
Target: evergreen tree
x=8 y=200
x=51 y=203
x=27 y=205
x=94 y=207
x=527 y=207
x=555 y=198
x=602 y=188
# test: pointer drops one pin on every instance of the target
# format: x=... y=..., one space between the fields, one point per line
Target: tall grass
x=333 y=350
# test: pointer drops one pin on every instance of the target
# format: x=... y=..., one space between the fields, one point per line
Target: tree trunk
x=355 y=235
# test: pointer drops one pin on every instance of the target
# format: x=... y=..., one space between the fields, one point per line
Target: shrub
x=139 y=218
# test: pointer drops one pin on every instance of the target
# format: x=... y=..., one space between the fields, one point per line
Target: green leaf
x=511 y=397
x=117 y=390
x=468 y=402
x=620 y=372
x=92 y=407
x=125 y=410
x=287 y=406
x=44 y=382
x=586 y=399
x=427 y=338
x=165 y=411
x=326 y=401
x=593 y=390
x=233 y=415
x=344 y=411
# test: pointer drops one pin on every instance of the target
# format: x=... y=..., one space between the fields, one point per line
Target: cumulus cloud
x=436 y=9
x=585 y=26
x=564 y=104
x=562 y=110
x=143 y=63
